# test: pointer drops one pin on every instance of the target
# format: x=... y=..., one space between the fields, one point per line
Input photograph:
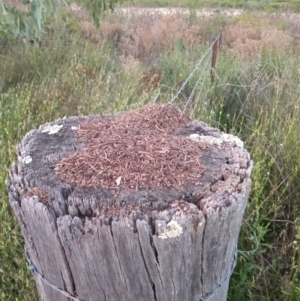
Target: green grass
x=269 y=5
x=255 y=98
x=263 y=110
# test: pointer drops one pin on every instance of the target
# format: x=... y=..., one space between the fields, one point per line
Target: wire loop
x=34 y=271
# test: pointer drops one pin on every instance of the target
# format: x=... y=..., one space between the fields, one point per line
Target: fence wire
x=210 y=56
x=35 y=272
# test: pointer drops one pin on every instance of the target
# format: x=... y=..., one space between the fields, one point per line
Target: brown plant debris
x=134 y=150
x=42 y=195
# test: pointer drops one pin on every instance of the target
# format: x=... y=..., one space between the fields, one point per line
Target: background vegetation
x=269 y=5
x=27 y=17
x=79 y=70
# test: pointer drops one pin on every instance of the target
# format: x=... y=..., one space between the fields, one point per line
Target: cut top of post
x=145 y=158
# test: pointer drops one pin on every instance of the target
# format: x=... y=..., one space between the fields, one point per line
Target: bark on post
x=141 y=206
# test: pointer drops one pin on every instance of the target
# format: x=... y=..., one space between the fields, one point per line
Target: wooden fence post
x=141 y=206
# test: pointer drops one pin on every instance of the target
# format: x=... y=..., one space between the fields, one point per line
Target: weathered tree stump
x=142 y=206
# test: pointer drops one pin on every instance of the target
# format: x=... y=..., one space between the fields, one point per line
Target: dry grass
x=247 y=40
x=142 y=36
x=151 y=79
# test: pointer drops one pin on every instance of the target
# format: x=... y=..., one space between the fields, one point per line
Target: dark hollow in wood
x=106 y=228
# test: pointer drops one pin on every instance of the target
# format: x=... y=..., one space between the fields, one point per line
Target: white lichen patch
x=232 y=139
x=52 y=129
x=74 y=128
x=207 y=139
x=218 y=141
x=173 y=229
x=27 y=159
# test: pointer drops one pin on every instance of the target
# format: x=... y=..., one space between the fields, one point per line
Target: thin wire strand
x=197 y=99
x=34 y=271
x=195 y=69
x=197 y=83
x=234 y=261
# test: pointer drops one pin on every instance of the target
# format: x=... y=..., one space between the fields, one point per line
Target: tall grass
x=256 y=98
x=263 y=108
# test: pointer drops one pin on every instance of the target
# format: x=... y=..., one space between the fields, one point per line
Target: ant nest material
x=134 y=150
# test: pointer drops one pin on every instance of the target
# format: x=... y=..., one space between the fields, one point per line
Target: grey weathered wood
x=127 y=256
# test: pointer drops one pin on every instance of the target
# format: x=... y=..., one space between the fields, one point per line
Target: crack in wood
x=147 y=270
x=117 y=257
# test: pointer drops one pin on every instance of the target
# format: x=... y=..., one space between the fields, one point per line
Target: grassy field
x=269 y=5
x=78 y=70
